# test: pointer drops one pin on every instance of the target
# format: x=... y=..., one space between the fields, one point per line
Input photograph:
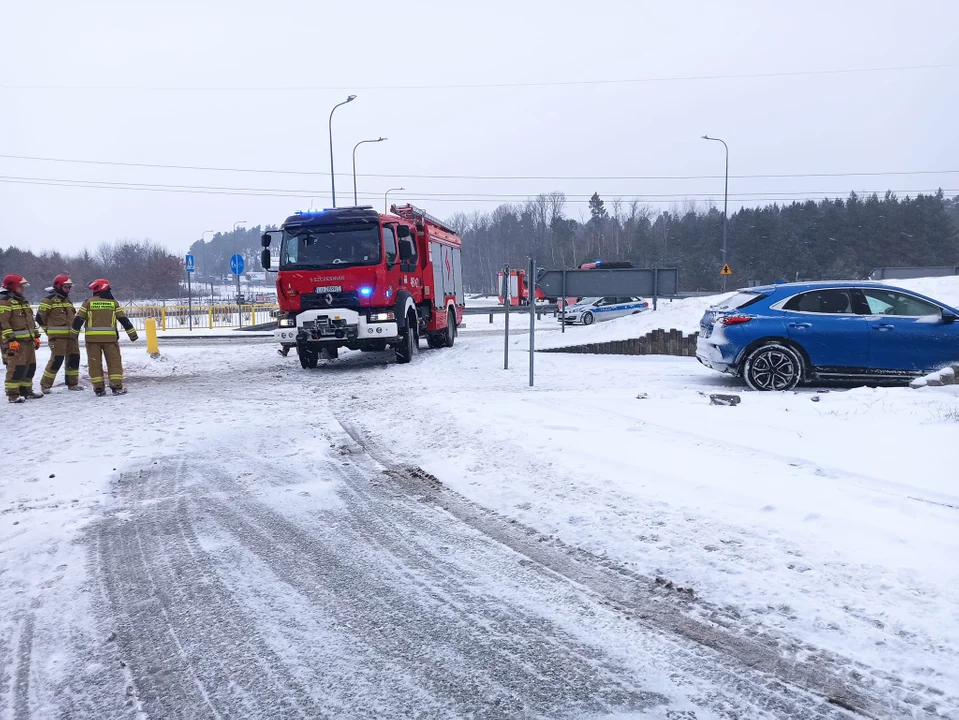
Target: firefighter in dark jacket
x=101 y=314
x=55 y=317
x=20 y=340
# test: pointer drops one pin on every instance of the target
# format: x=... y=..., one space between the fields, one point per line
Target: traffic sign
x=190 y=265
x=236 y=264
x=726 y=270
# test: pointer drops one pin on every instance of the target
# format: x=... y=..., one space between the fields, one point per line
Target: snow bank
x=672 y=314
x=943 y=289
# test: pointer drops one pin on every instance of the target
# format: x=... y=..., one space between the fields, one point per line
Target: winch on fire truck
x=352 y=277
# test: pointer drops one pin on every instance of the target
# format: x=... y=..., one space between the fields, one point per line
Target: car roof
x=797 y=287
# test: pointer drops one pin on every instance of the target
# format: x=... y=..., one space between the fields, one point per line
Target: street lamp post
x=350 y=99
x=725 y=202
x=386 y=195
x=361 y=142
x=239 y=308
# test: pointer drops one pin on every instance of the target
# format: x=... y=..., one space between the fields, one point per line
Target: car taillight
x=734 y=320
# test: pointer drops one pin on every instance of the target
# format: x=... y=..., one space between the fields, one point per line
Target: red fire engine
x=352 y=277
x=518 y=287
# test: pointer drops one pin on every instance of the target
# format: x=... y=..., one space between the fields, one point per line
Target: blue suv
x=778 y=336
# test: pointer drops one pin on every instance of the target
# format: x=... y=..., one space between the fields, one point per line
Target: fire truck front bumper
x=337 y=326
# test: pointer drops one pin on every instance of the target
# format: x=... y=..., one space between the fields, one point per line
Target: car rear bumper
x=716 y=354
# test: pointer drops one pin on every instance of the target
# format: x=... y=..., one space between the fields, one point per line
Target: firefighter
x=20 y=340
x=101 y=314
x=55 y=317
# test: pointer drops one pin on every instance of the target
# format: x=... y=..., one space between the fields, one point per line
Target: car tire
x=588 y=318
x=773 y=367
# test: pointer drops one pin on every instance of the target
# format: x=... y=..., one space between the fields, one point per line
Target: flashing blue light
x=366 y=291
x=308 y=212
x=599 y=262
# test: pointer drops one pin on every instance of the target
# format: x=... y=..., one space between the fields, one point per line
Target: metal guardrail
x=205 y=317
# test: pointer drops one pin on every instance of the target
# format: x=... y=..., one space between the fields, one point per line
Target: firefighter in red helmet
x=55 y=317
x=20 y=340
x=101 y=314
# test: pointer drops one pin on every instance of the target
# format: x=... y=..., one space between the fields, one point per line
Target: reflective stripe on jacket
x=56 y=315
x=16 y=319
x=100 y=316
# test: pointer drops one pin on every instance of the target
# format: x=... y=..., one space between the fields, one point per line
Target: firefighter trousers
x=62 y=350
x=96 y=353
x=21 y=366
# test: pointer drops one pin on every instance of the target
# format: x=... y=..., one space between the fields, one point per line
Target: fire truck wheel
x=410 y=344
x=450 y=328
x=308 y=358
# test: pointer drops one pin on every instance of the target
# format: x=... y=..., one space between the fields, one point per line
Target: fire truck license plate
x=329 y=288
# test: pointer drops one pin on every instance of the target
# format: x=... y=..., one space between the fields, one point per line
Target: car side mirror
x=948 y=318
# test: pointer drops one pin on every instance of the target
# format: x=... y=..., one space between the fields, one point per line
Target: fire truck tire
x=450 y=333
x=308 y=357
x=410 y=344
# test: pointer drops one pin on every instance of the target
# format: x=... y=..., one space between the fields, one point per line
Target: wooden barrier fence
x=657 y=342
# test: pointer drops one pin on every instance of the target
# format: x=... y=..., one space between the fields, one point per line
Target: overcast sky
x=249 y=84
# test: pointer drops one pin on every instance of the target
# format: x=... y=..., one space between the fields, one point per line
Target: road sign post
x=236 y=266
x=531 y=300
x=190 y=269
x=506 y=298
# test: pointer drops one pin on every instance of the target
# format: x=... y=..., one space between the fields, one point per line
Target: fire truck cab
x=352 y=277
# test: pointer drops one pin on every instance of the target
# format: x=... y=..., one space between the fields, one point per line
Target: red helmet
x=60 y=280
x=100 y=285
x=13 y=281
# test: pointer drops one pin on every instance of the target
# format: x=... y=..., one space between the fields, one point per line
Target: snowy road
x=238 y=538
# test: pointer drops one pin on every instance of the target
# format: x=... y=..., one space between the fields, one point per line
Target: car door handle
x=884 y=327
x=800 y=325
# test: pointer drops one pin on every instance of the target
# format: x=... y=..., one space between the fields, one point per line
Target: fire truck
x=519 y=287
x=355 y=278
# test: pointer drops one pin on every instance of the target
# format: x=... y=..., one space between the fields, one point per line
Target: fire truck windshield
x=331 y=246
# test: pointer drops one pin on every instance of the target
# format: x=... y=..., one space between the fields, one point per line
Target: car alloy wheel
x=773 y=367
x=588 y=318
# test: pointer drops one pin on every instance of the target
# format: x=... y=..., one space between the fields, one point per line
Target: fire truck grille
x=314 y=301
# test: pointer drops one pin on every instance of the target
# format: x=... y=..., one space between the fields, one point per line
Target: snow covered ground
x=239 y=537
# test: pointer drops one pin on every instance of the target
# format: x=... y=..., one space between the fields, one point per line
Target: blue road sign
x=190 y=265
x=236 y=264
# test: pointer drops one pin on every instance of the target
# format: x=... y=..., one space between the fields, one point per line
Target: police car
x=589 y=310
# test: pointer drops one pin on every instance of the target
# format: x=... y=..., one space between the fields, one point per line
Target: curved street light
x=386 y=195
x=349 y=99
x=725 y=202
x=361 y=142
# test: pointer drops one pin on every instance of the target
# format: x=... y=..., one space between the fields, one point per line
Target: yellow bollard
x=153 y=347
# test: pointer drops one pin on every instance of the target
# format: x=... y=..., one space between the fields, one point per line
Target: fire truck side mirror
x=403 y=231
x=265 y=259
x=266 y=240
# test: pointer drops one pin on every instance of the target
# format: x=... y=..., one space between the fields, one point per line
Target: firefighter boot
x=30 y=394
x=119 y=391
x=16 y=400
x=75 y=387
x=99 y=392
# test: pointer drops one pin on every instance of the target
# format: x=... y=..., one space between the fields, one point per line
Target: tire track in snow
x=191 y=650
x=823 y=674
x=21 y=676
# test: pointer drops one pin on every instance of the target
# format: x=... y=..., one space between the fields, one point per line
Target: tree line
x=844 y=238
x=137 y=269
x=828 y=239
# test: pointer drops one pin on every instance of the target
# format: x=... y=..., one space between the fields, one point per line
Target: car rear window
x=739 y=300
